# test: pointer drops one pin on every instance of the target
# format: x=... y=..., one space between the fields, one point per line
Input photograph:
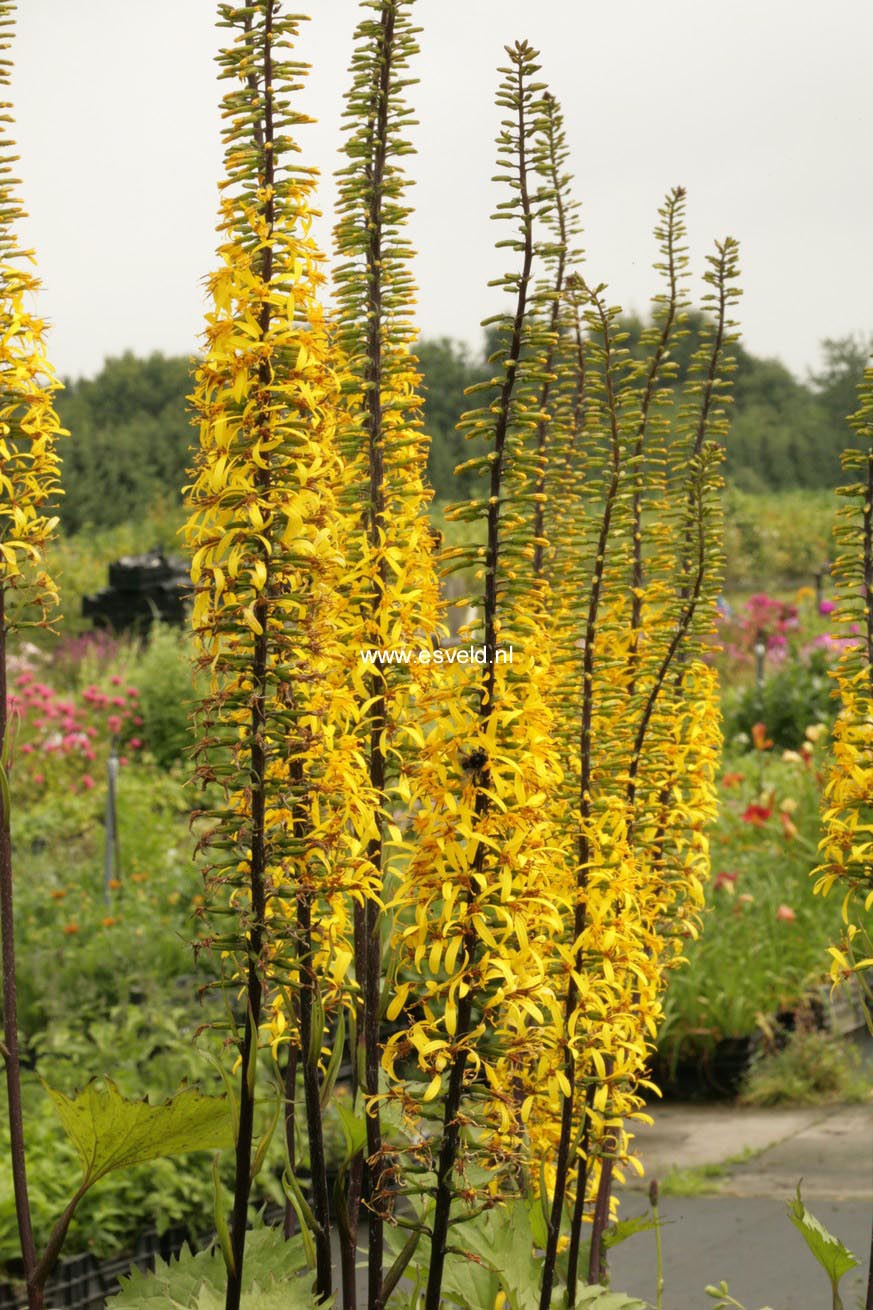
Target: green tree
x=448 y=368
x=836 y=386
x=132 y=438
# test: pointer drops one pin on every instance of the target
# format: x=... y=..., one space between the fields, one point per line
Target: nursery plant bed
x=716 y=1072
x=712 y=1074
x=82 y=1282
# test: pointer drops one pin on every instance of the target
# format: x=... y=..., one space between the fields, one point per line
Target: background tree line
x=132 y=430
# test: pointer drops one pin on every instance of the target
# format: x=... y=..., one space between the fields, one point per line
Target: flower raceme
x=267 y=542
x=846 y=848
x=29 y=427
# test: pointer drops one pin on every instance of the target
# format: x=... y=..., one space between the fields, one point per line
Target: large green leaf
x=110 y=1131
x=494 y=1252
x=274 y=1278
x=834 y=1258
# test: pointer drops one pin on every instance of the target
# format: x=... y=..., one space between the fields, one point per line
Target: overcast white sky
x=763 y=109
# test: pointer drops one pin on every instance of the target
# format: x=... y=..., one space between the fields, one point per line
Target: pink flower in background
x=115 y=680
x=87 y=781
x=826 y=607
x=135 y=743
x=788 y=827
x=132 y=692
x=785 y=914
x=39 y=778
x=113 y=723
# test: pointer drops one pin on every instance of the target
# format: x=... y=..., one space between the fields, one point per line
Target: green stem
x=659 y=1249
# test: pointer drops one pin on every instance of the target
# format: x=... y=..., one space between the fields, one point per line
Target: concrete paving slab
x=748 y=1241
x=833 y=1156
x=690 y=1135
x=829 y=1147
x=743 y=1234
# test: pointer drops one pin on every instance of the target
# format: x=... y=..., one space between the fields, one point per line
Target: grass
x=704 y=1179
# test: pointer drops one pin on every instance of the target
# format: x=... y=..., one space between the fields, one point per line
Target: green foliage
x=166 y=693
x=773 y=537
x=494 y=1252
x=147 y=1053
x=784 y=432
x=797 y=696
x=83 y=948
x=274 y=1278
x=765 y=935
x=131 y=437
x=111 y=1131
x=834 y=1258
x=836 y=385
x=132 y=434
x=448 y=369
x=810 y=1069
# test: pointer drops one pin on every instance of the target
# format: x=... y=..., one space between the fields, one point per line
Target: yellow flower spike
x=849 y=786
x=268 y=540
x=29 y=460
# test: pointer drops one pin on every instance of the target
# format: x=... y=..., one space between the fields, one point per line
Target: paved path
x=742 y=1234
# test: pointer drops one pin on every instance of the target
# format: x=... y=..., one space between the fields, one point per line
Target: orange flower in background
x=732 y=779
x=785 y=914
x=71 y=929
x=760 y=740
x=788 y=827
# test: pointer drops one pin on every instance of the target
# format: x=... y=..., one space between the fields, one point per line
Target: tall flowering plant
x=384 y=503
x=470 y=877
x=291 y=836
x=846 y=847
x=29 y=473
